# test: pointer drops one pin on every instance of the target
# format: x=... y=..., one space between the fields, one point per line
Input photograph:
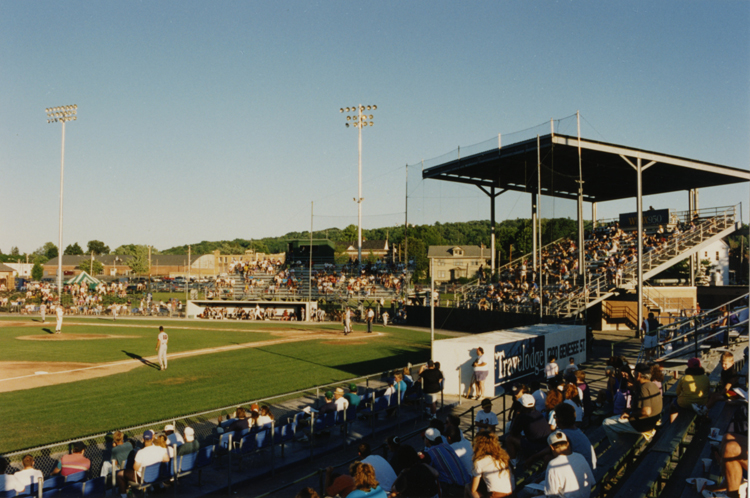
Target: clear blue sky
x=219 y=120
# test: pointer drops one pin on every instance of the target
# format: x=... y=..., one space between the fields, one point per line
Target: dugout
x=514 y=355
x=301 y=310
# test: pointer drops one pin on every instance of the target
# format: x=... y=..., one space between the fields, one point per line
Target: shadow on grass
x=398 y=358
x=48 y=330
x=142 y=360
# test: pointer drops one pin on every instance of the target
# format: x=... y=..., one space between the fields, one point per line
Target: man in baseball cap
x=191 y=445
x=644 y=412
x=486 y=419
x=443 y=458
x=148 y=455
x=568 y=473
x=529 y=430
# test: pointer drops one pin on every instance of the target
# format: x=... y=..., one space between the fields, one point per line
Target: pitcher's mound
x=73 y=337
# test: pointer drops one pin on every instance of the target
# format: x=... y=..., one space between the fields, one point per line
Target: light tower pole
x=61 y=114
x=359 y=121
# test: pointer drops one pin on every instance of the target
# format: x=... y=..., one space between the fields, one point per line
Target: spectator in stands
x=528 y=432
x=383 y=471
x=570 y=370
x=338 y=484
x=400 y=384
x=365 y=483
x=733 y=453
x=148 y=455
x=443 y=458
x=555 y=396
x=190 y=445
x=573 y=398
x=454 y=421
x=340 y=400
x=692 y=391
x=242 y=422
x=174 y=438
x=29 y=474
x=309 y=493
x=583 y=388
x=539 y=395
x=352 y=397
x=408 y=379
x=551 y=370
x=606 y=396
x=491 y=471
x=162 y=442
x=121 y=450
x=431 y=377
x=657 y=376
x=644 y=413
x=481 y=370
x=74 y=462
x=568 y=474
x=9 y=482
x=486 y=420
x=460 y=445
x=417 y=478
x=265 y=417
x=579 y=443
x=650 y=337
x=729 y=380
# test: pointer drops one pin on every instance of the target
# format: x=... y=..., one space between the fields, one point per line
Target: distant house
x=114 y=265
x=380 y=249
x=718 y=254
x=454 y=262
x=7 y=278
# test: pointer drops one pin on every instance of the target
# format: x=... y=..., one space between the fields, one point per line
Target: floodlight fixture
x=359 y=120
x=62 y=115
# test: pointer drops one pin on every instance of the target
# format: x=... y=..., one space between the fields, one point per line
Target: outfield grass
x=199 y=383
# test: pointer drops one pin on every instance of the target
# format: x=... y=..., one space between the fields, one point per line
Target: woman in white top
x=492 y=473
x=481 y=370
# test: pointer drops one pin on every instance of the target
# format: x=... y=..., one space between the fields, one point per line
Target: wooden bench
x=721 y=414
x=666 y=446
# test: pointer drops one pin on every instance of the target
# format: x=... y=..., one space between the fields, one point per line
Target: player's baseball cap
x=353 y=388
x=486 y=402
x=189 y=434
x=148 y=435
x=169 y=427
x=329 y=394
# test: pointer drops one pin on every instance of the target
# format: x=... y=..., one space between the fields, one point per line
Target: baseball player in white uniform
x=59 y=312
x=161 y=346
x=43 y=311
x=347 y=321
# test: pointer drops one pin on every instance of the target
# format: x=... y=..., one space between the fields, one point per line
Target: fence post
x=321 y=482
x=695 y=339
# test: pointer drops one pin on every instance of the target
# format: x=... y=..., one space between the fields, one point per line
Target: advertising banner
x=651 y=218
x=516 y=360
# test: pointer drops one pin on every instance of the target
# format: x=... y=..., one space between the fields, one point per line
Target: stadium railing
x=285 y=405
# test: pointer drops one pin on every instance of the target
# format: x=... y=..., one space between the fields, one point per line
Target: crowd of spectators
x=610 y=253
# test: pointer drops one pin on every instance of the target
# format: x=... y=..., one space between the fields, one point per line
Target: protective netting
x=433 y=201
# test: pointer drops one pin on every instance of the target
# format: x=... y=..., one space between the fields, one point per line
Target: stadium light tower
x=62 y=115
x=359 y=120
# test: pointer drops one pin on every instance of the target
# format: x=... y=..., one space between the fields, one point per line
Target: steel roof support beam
x=492 y=196
x=639 y=169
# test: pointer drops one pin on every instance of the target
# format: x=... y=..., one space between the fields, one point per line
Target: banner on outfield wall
x=513 y=355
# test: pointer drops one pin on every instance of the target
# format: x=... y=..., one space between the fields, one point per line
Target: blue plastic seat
x=76 y=477
x=95 y=488
x=54 y=482
x=72 y=490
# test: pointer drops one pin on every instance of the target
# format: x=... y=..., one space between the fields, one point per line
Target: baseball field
x=100 y=375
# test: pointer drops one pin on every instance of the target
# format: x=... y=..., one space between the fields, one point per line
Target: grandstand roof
x=606 y=175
